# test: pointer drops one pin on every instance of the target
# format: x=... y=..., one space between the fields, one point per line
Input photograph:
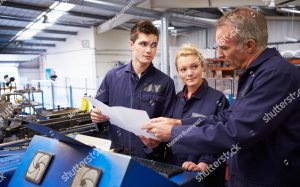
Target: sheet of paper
x=125 y=118
x=99 y=143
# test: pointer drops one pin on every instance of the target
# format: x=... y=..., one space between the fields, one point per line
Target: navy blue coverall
x=262 y=126
x=205 y=101
x=153 y=92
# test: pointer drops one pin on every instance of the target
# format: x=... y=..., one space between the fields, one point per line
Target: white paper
x=125 y=118
x=99 y=143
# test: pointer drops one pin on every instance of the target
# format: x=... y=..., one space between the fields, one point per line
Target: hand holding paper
x=125 y=118
x=97 y=117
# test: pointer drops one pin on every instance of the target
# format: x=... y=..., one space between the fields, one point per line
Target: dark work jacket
x=205 y=101
x=153 y=92
x=261 y=129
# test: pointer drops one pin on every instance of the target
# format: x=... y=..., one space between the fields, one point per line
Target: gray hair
x=250 y=24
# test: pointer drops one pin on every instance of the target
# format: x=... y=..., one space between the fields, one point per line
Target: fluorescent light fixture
x=29 y=25
x=272 y=4
x=156 y=23
x=54 y=15
x=53 y=5
x=58 y=9
x=61 y=6
x=40 y=26
x=24 y=37
x=290 y=39
x=28 y=34
x=289 y=10
x=19 y=33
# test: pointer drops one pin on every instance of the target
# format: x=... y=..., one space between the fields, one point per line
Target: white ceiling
x=98 y=15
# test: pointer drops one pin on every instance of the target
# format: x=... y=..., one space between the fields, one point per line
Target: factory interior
x=59 y=58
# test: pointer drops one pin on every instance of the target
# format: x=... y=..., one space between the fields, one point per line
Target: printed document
x=125 y=118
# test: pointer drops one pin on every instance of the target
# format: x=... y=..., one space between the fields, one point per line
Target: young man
x=137 y=85
x=261 y=129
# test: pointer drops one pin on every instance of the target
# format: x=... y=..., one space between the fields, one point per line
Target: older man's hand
x=149 y=142
x=161 y=127
x=166 y=121
x=191 y=166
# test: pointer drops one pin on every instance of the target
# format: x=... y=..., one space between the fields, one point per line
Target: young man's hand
x=97 y=117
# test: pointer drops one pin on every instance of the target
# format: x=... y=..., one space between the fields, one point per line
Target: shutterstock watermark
x=130 y=4
x=99 y=92
x=266 y=2
x=70 y=174
x=229 y=35
x=183 y=133
x=74 y=113
x=225 y=37
x=270 y=3
x=2 y=177
x=279 y=107
x=223 y=158
x=7 y=111
x=2 y=1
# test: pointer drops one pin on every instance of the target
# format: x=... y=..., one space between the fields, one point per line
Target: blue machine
x=112 y=169
x=9 y=161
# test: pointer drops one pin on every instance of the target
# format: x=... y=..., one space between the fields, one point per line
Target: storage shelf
x=215 y=59
x=221 y=69
x=294 y=60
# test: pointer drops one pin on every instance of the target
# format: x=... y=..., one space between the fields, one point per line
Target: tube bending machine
x=63 y=161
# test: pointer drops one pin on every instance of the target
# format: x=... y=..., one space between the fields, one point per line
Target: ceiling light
x=28 y=34
x=156 y=23
x=40 y=26
x=62 y=6
x=19 y=33
x=272 y=4
x=54 y=15
x=45 y=19
x=290 y=39
x=29 y=25
x=289 y=10
x=53 y=5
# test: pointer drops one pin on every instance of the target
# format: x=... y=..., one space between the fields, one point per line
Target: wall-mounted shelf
x=216 y=68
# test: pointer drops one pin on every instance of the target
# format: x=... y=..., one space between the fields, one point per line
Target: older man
x=262 y=126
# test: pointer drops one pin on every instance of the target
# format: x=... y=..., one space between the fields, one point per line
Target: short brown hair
x=145 y=27
x=251 y=25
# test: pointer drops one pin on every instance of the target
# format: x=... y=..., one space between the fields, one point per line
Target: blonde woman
x=196 y=99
